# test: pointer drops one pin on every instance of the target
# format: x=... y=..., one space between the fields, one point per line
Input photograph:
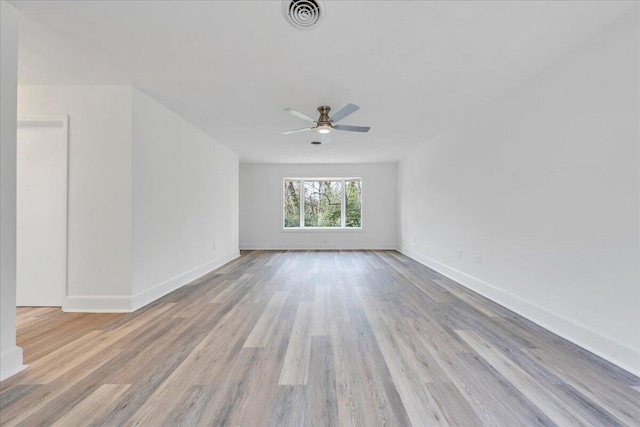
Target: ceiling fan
x=325 y=123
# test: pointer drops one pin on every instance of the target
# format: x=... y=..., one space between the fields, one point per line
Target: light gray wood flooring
x=311 y=338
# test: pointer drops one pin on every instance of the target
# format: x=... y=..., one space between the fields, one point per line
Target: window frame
x=343 y=205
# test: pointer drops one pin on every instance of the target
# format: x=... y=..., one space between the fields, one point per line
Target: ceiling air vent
x=303 y=14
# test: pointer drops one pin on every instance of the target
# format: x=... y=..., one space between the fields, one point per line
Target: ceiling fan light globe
x=324 y=129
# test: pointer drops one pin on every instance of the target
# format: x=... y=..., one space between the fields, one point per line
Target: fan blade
x=352 y=128
x=299 y=115
x=346 y=110
x=287 y=132
x=326 y=138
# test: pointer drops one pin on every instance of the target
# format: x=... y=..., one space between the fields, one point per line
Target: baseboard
x=97 y=304
x=147 y=296
x=310 y=246
x=127 y=304
x=11 y=363
x=617 y=353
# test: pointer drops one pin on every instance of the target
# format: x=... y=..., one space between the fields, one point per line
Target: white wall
x=149 y=196
x=544 y=186
x=185 y=201
x=261 y=207
x=10 y=354
x=41 y=232
x=100 y=183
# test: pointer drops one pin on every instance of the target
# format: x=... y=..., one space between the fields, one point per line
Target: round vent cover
x=303 y=14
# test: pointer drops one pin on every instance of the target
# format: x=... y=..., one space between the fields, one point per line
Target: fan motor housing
x=324 y=119
x=303 y=14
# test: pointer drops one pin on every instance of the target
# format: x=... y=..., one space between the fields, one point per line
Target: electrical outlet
x=415 y=240
x=460 y=253
x=478 y=259
x=213 y=245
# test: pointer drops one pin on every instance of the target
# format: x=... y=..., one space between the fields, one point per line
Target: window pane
x=291 y=203
x=322 y=202
x=353 y=193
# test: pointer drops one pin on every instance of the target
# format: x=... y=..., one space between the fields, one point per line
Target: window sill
x=322 y=230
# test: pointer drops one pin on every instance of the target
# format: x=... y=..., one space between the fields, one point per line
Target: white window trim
x=343 y=207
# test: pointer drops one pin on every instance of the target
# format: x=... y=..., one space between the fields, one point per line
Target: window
x=322 y=203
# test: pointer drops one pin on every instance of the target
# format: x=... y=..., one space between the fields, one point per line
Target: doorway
x=41 y=229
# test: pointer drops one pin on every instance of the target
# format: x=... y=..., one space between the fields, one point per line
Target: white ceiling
x=231 y=67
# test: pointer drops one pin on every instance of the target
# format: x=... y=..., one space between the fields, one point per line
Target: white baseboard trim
x=147 y=296
x=617 y=353
x=11 y=363
x=97 y=304
x=309 y=246
x=127 y=304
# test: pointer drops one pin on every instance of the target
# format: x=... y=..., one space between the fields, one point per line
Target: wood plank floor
x=311 y=339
